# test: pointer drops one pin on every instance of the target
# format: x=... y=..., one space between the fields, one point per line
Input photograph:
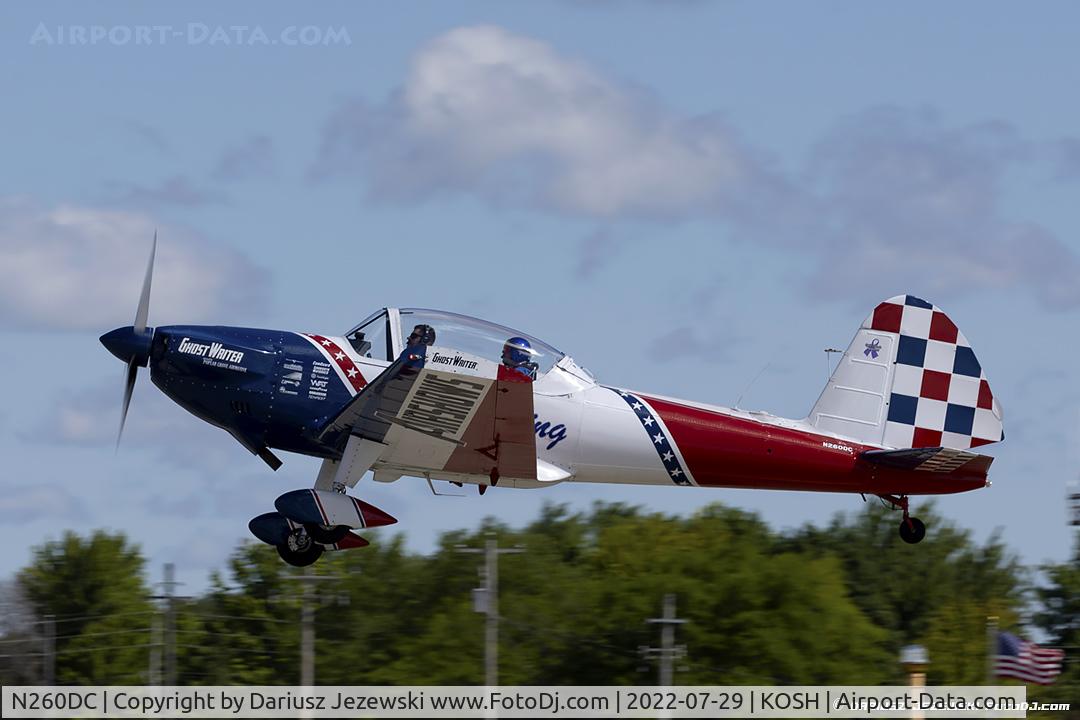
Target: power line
x=169 y=623
x=615 y=649
x=75 y=651
x=216 y=634
x=253 y=618
x=72 y=651
x=49 y=644
x=153 y=675
x=307 y=622
x=244 y=651
x=115 y=679
x=81 y=635
x=620 y=651
x=76 y=618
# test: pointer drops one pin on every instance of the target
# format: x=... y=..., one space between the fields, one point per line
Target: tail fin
x=909 y=379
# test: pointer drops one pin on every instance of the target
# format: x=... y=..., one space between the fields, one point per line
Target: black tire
x=913 y=533
x=325 y=535
x=301 y=558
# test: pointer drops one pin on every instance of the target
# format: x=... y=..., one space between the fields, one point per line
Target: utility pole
x=1074 y=507
x=170 y=624
x=166 y=626
x=486 y=600
x=307 y=622
x=48 y=657
x=668 y=652
x=307 y=634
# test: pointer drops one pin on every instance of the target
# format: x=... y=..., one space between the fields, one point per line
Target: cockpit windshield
x=371 y=338
x=510 y=347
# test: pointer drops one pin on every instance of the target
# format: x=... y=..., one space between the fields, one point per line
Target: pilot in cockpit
x=421 y=335
x=516 y=355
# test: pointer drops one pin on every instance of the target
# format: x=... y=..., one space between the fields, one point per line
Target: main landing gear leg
x=912 y=529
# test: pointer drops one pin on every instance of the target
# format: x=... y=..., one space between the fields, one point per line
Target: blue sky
x=678 y=194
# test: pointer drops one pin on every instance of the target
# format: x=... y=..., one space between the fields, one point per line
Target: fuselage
x=276 y=389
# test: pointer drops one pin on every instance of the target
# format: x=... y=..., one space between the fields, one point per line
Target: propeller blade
x=139 y=328
x=144 y=299
x=129 y=386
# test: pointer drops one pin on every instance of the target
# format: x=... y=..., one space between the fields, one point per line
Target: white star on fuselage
x=658 y=438
x=668 y=456
x=327 y=342
x=340 y=356
x=647 y=422
x=352 y=372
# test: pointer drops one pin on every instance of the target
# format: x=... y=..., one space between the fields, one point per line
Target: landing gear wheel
x=300 y=559
x=327 y=534
x=299 y=550
x=912 y=530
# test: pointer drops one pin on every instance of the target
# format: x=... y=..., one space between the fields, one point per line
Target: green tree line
x=817 y=605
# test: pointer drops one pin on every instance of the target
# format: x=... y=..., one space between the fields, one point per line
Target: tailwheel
x=299 y=550
x=326 y=534
x=912 y=530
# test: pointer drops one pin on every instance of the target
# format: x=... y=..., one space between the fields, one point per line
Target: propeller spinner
x=132 y=343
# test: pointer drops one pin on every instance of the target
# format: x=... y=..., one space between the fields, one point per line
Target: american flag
x=1023 y=660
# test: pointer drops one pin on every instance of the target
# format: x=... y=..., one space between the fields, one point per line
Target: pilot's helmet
x=422 y=335
x=516 y=352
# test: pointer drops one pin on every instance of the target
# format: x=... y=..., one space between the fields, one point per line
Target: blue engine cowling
x=242 y=380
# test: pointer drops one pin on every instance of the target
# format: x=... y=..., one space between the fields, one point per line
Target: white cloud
x=507 y=117
x=907 y=202
x=890 y=199
x=75 y=268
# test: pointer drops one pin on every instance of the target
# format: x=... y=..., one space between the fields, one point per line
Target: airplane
x=441 y=396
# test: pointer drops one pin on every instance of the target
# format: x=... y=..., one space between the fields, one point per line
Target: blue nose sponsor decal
x=555 y=433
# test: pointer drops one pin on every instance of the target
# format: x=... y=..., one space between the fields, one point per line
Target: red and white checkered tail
x=909 y=379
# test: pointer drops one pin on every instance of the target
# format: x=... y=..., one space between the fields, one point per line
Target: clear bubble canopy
x=373 y=338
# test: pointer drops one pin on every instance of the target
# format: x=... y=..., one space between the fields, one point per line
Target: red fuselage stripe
x=726 y=451
x=340 y=358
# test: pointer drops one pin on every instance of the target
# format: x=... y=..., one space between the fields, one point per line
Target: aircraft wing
x=367 y=414
x=446 y=412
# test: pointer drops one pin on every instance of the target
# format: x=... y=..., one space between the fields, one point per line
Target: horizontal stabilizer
x=929 y=459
